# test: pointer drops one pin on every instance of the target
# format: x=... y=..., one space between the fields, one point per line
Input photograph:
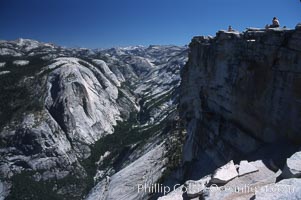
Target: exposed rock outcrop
x=244 y=187
x=224 y=174
x=287 y=189
x=245 y=168
x=134 y=181
x=240 y=98
x=240 y=90
x=21 y=62
x=196 y=188
x=292 y=168
x=239 y=188
x=2 y=64
x=177 y=194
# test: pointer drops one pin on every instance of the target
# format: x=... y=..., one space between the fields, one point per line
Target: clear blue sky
x=108 y=23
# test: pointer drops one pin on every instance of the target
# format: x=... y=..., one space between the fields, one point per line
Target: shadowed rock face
x=239 y=90
x=292 y=168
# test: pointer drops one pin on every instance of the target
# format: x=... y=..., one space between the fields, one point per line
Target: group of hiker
x=275 y=24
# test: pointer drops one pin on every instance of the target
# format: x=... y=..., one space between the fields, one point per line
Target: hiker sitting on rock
x=275 y=23
x=230 y=29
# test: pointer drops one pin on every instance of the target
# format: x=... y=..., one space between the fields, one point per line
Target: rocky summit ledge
x=257 y=182
x=251 y=34
x=241 y=91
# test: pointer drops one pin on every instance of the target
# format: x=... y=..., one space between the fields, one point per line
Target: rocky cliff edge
x=240 y=99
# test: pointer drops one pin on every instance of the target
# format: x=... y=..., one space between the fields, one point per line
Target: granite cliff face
x=245 y=87
x=240 y=99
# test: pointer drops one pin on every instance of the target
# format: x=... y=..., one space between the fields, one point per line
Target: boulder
x=292 y=168
x=246 y=168
x=287 y=189
x=224 y=174
x=177 y=194
x=196 y=188
x=243 y=187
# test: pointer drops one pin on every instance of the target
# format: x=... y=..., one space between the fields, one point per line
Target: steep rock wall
x=241 y=90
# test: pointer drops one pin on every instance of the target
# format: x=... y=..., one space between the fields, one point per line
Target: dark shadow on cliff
x=274 y=155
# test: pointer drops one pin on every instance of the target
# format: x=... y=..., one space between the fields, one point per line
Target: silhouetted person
x=275 y=23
